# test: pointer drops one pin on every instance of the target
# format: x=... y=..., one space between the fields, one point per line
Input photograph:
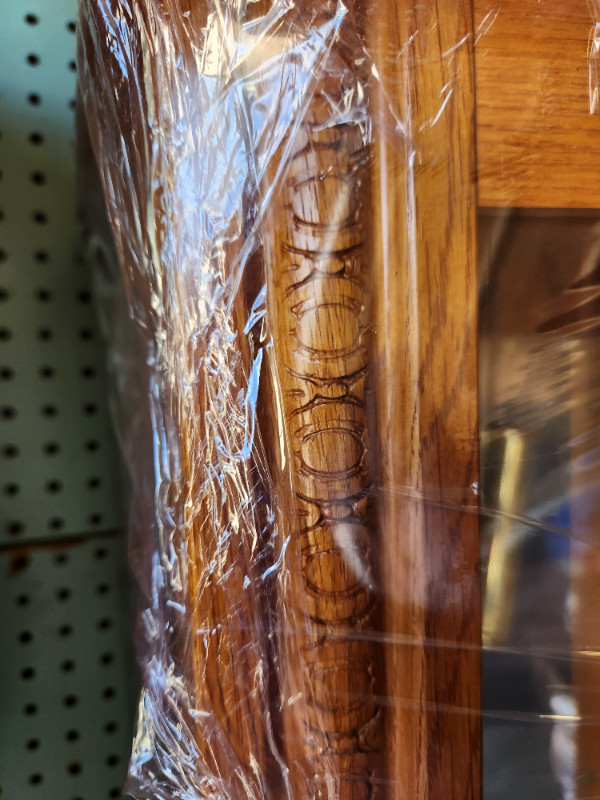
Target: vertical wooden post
x=424 y=218
x=209 y=550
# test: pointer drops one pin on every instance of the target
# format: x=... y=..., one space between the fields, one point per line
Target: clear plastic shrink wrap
x=291 y=189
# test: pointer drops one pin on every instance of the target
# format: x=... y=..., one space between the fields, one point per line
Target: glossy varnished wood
x=316 y=240
x=424 y=212
x=537 y=143
x=209 y=553
x=219 y=515
x=353 y=220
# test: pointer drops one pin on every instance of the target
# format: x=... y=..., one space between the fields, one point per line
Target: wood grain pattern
x=207 y=384
x=316 y=250
x=222 y=526
x=209 y=553
x=537 y=144
x=424 y=216
x=330 y=240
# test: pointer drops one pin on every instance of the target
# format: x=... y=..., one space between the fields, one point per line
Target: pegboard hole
x=43 y=295
x=53 y=487
x=10 y=451
x=71 y=27
x=95 y=519
x=109 y=693
x=7 y=374
x=90 y=409
x=25 y=637
x=112 y=760
x=41 y=255
x=19 y=564
x=100 y=553
x=92 y=446
x=94 y=483
x=31 y=19
x=30 y=710
x=5 y=334
x=88 y=372
x=4 y=294
x=45 y=334
x=33 y=59
x=47 y=372
x=114 y=793
x=64 y=594
x=61 y=559
x=72 y=66
x=68 y=666
x=51 y=448
x=72 y=736
x=111 y=727
x=56 y=523
x=104 y=624
x=38 y=178
x=36 y=778
x=65 y=631
x=8 y=412
x=12 y=489
x=33 y=744
x=102 y=588
x=107 y=658
x=70 y=700
x=36 y=138
x=15 y=528
x=23 y=600
x=34 y=99
x=49 y=411
x=40 y=217
x=28 y=673
x=3 y=255
x=84 y=296
x=86 y=334
x=74 y=768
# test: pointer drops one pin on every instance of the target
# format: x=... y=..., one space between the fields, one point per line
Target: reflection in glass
x=540 y=396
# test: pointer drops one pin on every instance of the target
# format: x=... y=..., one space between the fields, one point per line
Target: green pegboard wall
x=57 y=456
x=67 y=676
x=67 y=687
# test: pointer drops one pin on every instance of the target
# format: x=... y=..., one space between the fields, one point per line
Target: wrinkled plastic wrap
x=294 y=335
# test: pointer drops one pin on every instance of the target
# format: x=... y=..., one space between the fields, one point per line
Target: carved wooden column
x=369 y=246
x=319 y=278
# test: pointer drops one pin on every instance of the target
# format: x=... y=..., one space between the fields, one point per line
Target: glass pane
x=540 y=389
